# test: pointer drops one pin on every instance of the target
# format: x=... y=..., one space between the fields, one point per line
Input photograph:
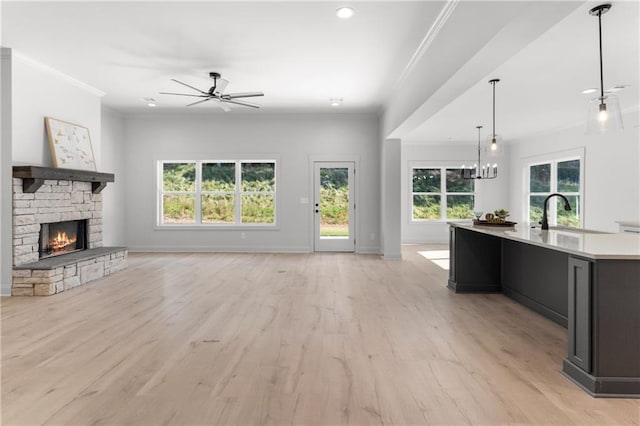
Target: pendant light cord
x=479 y=127
x=600 y=39
x=494 y=112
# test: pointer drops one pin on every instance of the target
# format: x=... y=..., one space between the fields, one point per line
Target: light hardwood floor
x=287 y=339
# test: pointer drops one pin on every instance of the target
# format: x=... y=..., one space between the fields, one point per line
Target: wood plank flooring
x=302 y=339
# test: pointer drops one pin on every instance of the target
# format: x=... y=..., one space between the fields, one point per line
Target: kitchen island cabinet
x=586 y=281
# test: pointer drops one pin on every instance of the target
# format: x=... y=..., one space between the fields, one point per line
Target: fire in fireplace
x=62 y=237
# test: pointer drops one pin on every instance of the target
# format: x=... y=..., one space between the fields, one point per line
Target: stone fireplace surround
x=72 y=195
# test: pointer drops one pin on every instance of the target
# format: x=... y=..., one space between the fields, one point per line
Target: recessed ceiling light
x=335 y=102
x=149 y=101
x=589 y=90
x=617 y=88
x=345 y=12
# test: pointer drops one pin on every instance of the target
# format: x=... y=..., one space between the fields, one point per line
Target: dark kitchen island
x=586 y=281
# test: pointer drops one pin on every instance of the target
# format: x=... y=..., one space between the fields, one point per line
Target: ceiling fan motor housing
x=215 y=76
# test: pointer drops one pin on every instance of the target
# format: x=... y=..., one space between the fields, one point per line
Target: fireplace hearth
x=60 y=238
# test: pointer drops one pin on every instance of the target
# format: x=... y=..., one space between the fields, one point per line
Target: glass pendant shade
x=493 y=146
x=604 y=115
x=604 y=111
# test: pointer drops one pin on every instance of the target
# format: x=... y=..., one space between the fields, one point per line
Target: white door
x=334 y=206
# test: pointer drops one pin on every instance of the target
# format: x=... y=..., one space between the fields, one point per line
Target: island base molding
x=602 y=387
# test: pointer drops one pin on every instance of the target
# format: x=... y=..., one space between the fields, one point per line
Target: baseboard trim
x=473 y=287
x=539 y=308
x=368 y=250
x=602 y=387
x=200 y=249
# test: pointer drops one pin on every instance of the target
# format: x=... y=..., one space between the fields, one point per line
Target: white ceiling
x=300 y=55
x=540 y=87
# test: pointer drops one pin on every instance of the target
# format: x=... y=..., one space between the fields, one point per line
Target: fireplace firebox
x=62 y=237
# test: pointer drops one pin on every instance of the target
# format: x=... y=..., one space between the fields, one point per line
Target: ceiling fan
x=215 y=93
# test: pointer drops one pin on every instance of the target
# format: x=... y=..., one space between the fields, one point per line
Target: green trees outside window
x=334 y=202
x=178 y=187
x=555 y=176
x=441 y=193
x=221 y=192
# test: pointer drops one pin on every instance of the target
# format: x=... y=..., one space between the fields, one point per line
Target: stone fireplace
x=57 y=231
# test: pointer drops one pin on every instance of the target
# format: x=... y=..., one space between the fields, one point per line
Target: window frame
x=443 y=192
x=553 y=160
x=199 y=192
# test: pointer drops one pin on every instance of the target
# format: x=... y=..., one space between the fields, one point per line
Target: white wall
x=6 y=237
x=391 y=195
x=294 y=139
x=113 y=196
x=40 y=91
x=490 y=195
x=612 y=173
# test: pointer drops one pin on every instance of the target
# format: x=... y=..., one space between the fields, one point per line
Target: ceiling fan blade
x=199 y=102
x=182 y=94
x=242 y=95
x=221 y=84
x=191 y=87
x=224 y=106
x=243 y=103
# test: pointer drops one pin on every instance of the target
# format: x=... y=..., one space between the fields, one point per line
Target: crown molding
x=429 y=37
x=57 y=74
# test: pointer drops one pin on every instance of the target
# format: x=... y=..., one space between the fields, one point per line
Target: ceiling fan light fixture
x=345 y=12
x=603 y=114
x=216 y=93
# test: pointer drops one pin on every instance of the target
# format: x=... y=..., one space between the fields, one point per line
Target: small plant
x=501 y=213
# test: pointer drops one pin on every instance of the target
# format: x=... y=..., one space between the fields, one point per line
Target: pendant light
x=493 y=147
x=478 y=171
x=604 y=111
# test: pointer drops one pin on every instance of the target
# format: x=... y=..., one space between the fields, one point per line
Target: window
x=217 y=193
x=440 y=193
x=562 y=176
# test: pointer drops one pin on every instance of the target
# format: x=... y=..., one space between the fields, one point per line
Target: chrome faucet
x=567 y=207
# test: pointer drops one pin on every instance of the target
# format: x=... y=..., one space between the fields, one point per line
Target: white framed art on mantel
x=70 y=145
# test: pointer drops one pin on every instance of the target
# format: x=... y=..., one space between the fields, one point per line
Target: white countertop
x=581 y=242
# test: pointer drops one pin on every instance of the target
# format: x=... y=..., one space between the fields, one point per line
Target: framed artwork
x=70 y=145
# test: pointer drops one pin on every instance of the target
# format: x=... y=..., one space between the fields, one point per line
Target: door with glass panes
x=334 y=206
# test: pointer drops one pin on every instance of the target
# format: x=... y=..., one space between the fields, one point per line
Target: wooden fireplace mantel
x=33 y=177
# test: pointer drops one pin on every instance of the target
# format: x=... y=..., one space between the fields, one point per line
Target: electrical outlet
x=243 y=235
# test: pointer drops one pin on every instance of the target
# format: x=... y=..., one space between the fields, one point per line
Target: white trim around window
x=197 y=192
x=553 y=159
x=442 y=193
